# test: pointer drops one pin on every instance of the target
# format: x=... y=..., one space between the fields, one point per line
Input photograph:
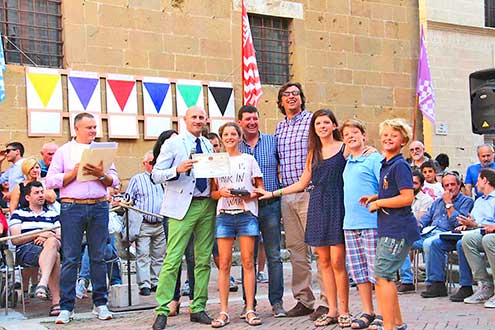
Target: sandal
x=363 y=322
x=325 y=320
x=220 y=322
x=377 y=323
x=54 y=310
x=253 y=319
x=345 y=320
x=41 y=292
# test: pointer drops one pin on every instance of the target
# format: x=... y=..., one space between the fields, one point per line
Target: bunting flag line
x=424 y=87
x=221 y=107
x=157 y=104
x=3 y=67
x=250 y=76
x=189 y=93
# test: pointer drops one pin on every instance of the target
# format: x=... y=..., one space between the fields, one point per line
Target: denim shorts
x=235 y=225
x=390 y=255
x=28 y=254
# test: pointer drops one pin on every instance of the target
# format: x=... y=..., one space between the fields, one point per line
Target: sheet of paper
x=94 y=157
x=211 y=165
x=76 y=151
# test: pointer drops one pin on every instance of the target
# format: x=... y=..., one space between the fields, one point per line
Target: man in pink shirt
x=83 y=209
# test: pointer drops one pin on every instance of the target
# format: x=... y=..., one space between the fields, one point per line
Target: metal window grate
x=33 y=32
x=271 y=43
x=490 y=13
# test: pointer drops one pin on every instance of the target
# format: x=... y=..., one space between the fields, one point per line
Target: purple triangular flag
x=424 y=87
x=157 y=92
x=84 y=87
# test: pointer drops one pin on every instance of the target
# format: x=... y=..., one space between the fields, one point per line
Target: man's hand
x=40 y=240
x=186 y=165
x=366 y=200
x=468 y=221
x=447 y=197
x=93 y=170
x=460 y=228
x=225 y=192
x=373 y=206
x=489 y=229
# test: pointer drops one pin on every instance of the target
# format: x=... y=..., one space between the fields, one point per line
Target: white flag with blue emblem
x=2 y=71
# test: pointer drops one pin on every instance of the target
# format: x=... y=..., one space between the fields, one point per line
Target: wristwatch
x=448 y=206
x=102 y=178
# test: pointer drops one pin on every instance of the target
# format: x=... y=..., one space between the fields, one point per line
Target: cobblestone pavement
x=419 y=313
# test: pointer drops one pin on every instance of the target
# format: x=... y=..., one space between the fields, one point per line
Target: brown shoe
x=321 y=310
x=299 y=310
x=406 y=288
x=174 y=306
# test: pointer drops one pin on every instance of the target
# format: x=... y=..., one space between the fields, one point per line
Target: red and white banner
x=250 y=76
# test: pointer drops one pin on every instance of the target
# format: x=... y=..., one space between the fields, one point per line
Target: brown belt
x=199 y=198
x=83 y=201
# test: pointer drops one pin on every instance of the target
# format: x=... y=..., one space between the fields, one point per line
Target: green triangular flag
x=189 y=94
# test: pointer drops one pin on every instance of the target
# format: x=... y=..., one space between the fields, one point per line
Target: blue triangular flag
x=157 y=92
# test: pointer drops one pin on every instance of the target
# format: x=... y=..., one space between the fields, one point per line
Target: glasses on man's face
x=9 y=150
x=293 y=93
x=415 y=149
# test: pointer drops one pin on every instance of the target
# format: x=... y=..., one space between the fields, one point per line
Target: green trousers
x=200 y=221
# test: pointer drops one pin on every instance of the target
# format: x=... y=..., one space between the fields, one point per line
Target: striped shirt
x=265 y=153
x=292 y=144
x=29 y=220
x=146 y=195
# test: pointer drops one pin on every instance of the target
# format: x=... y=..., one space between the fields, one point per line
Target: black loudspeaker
x=482 y=92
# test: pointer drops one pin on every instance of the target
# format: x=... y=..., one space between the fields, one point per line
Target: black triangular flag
x=221 y=96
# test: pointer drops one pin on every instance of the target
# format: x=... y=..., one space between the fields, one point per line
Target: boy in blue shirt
x=397 y=227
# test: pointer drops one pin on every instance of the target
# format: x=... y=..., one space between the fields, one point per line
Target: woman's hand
x=225 y=192
x=263 y=194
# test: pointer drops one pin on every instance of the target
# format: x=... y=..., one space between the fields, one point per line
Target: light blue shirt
x=361 y=177
x=13 y=174
x=483 y=211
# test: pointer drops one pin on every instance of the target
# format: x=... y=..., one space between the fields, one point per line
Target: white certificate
x=211 y=165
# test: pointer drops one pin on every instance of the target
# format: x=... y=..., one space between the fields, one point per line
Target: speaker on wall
x=482 y=94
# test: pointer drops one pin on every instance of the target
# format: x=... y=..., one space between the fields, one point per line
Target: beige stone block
x=317 y=73
x=146 y=4
x=344 y=94
x=91 y=13
x=222 y=67
x=341 y=42
x=136 y=58
x=343 y=76
x=339 y=7
x=320 y=5
x=404 y=97
x=382 y=96
x=154 y=21
x=215 y=48
x=336 y=23
x=105 y=56
x=367 y=45
x=72 y=11
x=359 y=25
x=360 y=8
x=177 y=44
x=377 y=28
x=400 y=48
x=75 y=44
x=367 y=78
x=315 y=20
x=161 y=61
x=216 y=29
x=145 y=40
x=391 y=30
x=101 y=36
x=114 y=16
x=366 y=62
x=315 y=91
x=188 y=63
x=398 y=79
x=317 y=39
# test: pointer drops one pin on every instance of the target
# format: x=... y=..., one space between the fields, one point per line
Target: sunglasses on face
x=9 y=150
x=293 y=93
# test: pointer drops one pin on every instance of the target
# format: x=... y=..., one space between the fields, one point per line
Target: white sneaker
x=81 y=289
x=482 y=294
x=102 y=312
x=64 y=317
x=490 y=303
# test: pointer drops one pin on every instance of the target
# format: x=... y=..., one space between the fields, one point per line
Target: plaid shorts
x=360 y=247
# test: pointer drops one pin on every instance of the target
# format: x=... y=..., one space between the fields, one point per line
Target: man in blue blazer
x=190 y=211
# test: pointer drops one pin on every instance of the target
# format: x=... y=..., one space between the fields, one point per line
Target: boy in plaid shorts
x=361 y=175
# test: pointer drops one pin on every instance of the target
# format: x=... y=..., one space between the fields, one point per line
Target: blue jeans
x=269 y=222
x=424 y=243
x=112 y=268
x=75 y=219
x=438 y=258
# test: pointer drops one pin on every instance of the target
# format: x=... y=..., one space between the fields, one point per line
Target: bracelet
x=280 y=191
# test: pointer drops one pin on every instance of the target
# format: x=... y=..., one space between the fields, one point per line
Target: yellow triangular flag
x=44 y=84
x=485 y=124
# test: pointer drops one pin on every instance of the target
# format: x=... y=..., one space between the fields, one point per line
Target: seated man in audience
x=439 y=249
x=475 y=242
x=39 y=250
x=421 y=204
x=485 y=156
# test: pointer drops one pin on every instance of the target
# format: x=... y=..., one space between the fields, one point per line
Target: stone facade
x=458 y=44
x=357 y=57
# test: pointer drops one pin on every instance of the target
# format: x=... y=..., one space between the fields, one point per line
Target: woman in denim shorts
x=237 y=211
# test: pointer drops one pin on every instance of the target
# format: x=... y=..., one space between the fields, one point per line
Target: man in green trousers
x=190 y=211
